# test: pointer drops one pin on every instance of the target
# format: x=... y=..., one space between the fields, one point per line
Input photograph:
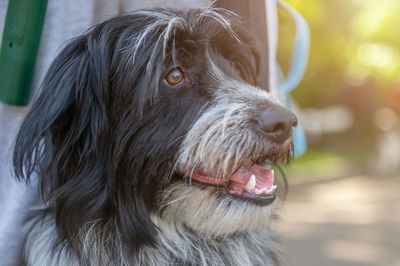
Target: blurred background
x=343 y=206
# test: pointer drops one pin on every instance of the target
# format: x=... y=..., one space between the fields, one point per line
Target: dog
x=148 y=139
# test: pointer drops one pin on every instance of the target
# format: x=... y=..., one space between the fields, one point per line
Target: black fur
x=104 y=129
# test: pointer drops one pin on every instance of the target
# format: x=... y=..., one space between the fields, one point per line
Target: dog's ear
x=63 y=137
x=66 y=139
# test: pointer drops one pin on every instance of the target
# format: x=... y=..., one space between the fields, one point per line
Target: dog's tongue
x=264 y=177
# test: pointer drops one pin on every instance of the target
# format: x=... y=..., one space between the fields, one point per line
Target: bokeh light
x=344 y=201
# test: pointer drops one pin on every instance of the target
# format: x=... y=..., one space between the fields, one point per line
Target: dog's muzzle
x=252 y=181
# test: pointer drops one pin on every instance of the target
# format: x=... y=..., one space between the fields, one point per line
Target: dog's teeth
x=252 y=183
x=272 y=189
x=258 y=191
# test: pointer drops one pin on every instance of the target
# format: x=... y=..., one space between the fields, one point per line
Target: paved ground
x=345 y=222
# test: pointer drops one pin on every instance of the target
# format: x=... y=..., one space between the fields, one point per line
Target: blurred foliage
x=355 y=62
x=317 y=163
x=355 y=56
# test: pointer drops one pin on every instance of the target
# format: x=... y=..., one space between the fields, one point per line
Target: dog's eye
x=174 y=77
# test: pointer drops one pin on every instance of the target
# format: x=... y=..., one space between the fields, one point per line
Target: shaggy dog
x=147 y=140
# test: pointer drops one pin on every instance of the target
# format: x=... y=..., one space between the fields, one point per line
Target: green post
x=19 y=46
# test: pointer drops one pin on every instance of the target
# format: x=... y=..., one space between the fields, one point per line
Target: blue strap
x=296 y=71
x=300 y=50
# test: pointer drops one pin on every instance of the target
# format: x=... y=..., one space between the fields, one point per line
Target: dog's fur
x=113 y=145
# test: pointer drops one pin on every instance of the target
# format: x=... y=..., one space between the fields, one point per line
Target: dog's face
x=152 y=120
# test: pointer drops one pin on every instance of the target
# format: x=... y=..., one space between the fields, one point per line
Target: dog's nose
x=277 y=122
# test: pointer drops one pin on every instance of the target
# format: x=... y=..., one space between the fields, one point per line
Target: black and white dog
x=147 y=138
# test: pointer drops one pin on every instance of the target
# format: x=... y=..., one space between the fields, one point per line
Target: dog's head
x=155 y=119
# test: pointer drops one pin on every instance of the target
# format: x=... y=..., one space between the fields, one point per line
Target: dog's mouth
x=252 y=183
